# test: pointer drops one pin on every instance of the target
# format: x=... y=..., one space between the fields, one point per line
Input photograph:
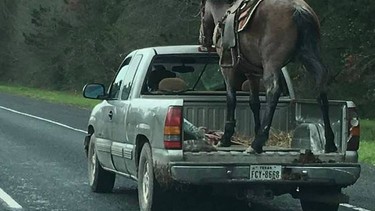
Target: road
x=43 y=166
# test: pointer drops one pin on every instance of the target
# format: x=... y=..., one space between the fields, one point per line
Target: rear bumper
x=324 y=174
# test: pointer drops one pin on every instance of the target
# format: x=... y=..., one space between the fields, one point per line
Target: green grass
x=367 y=145
x=368 y=130
x=69 y=98
x=367 y=152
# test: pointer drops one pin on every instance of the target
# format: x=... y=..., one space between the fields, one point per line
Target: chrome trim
x=103 y=145
x=128 y=151
x=122 y=150
x=116 y=149
x=120 y=173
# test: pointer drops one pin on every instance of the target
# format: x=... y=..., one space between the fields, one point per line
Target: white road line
x=354 y=207
x=42 y=119
x=11 y=203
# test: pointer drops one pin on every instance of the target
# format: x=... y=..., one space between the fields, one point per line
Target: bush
x=368 y=130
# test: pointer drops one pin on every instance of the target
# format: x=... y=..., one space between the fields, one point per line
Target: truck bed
x=295 y=118
x=213 y=116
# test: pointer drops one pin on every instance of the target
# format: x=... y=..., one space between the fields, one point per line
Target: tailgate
x=273 y=166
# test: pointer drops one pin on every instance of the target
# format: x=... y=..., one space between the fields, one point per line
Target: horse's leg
x=309 y=54
x=271 y=79
x=255 y=102
x=230 y=123
x=315 y=66
x=328 y=133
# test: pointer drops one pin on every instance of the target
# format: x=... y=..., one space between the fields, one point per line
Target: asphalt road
x=43 y=166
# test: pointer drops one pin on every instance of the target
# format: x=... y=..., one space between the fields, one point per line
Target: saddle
x=235 y=20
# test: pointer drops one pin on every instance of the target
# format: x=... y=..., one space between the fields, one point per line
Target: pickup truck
x=161 y=94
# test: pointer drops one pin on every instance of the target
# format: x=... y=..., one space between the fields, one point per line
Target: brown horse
x=280 y=31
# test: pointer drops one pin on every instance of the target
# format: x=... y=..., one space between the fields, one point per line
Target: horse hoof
x=251 y=150
x=223 y=144
x=329 y=149
x=257 y=147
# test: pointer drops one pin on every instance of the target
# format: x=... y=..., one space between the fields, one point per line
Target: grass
x=367 y=152
x=69 y=98
x=368 y=130
x=367 y=145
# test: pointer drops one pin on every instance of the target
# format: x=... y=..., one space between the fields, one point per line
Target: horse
x=279 y=31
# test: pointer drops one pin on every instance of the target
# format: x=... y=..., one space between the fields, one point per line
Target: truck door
x=108 y=116
x=114 y=118
x=121 y=150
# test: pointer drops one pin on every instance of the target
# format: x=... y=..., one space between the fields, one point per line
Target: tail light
x=173 y=128
x=353 y=130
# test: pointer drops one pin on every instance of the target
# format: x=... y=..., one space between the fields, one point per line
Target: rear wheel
x=149 y=191
x=321 y=198
x=318 y=206
x=100 y=180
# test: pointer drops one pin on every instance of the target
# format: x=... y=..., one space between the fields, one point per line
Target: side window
x=117 y=83
x=129 y=77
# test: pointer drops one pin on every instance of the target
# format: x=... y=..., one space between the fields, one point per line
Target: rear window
x=192 y=73
x=198 y=72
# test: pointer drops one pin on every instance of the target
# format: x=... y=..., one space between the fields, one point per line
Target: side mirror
x=94 y=91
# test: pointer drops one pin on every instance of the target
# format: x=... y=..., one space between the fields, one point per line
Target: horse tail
x=308 y=43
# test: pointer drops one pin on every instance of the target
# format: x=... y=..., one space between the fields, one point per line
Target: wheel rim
x=146 y=183
x=92 y=167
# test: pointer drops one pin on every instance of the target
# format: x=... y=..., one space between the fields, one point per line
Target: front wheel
x=149 y=191
x=100 y=180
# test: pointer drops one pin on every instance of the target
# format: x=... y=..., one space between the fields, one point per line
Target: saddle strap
x=236 y=5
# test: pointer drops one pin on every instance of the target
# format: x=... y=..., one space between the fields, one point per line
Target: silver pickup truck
x=161 y=94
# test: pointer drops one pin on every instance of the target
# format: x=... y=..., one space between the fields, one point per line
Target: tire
x=308 y=204
x=100 y=180
x=149 y=191
x=318 y=206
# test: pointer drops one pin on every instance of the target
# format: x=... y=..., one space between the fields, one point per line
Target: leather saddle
x=235 y=20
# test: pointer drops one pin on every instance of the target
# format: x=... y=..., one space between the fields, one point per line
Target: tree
x=8 y=7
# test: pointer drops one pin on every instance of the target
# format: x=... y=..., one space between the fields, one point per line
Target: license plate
x=265 y=172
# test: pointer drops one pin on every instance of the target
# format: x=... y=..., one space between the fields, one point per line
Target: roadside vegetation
x=367 y=145
x=61 y=97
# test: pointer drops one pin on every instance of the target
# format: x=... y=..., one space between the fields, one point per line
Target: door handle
x=110 y=114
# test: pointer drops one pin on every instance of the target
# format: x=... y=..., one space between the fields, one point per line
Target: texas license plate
x=265 y=172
